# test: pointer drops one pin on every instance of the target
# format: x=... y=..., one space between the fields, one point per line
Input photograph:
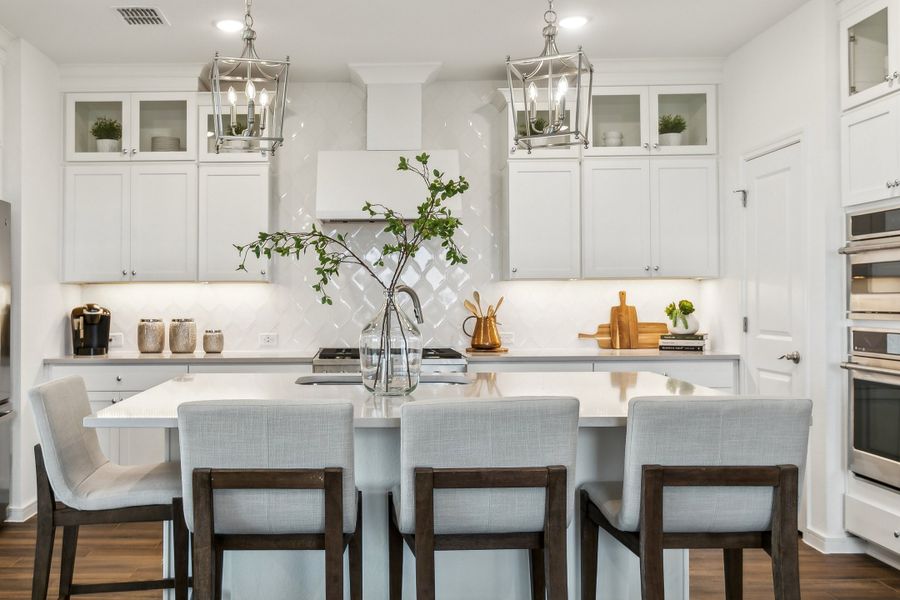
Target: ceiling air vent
x=141 y=15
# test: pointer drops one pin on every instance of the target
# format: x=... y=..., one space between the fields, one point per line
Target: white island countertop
x=604 y=396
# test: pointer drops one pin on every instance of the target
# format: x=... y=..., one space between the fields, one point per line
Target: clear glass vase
x=390 y=351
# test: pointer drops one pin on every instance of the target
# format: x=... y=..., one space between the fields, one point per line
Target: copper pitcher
x=485 y=335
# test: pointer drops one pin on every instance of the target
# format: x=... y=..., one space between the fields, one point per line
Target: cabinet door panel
x=163 y=126
x=870 y=153
x=96 y=223
x=82 y=111
x=234 y=208
x=869 y=52
x=685 y=220
x=164 y=223
x=616 y=217
x=697 y=105
x=543 y=219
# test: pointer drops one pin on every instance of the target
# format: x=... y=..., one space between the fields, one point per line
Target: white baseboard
x=845 y=544
x=885 y=556
x=22 y=513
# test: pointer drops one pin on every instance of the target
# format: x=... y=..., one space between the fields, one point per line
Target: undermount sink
x=356 y=379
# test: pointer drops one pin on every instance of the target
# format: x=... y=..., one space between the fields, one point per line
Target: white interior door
x=775 y=284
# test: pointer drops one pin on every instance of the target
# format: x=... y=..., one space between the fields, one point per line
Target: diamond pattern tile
x=331 y=116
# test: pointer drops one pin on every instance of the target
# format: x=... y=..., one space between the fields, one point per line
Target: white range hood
x=345 y=180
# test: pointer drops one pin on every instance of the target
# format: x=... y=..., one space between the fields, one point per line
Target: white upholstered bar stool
x=77 y=485
x=270 y=475
x=485 y=475
x=703 y=473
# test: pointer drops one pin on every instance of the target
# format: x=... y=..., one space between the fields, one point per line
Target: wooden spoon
x=499 y=302
x=471 y=307
x=490 y=312
x=478 y=302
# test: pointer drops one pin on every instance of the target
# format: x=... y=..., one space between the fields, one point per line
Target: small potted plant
x=671 y=128
x=108 y=133
x=682 y=317
x=238 y=129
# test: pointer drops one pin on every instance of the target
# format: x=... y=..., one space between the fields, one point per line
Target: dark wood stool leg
x=204 y=551
x=424 y=481
x=220 y=571
x=334 y=535
x=46 y=530
x=734 y=573
x=67 y=561
x=589 y=541
x=785 y=551
x=356 y=547
x=555 y=535
x=181 y=548
x=536 y=564
x=395 y=553
x=651 y=535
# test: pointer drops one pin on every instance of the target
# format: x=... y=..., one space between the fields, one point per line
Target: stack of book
x=671 y=342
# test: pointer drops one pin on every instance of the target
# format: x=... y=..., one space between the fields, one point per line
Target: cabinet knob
x=656 y=268
x=125 y=151
x=124 y=272
x=262 y=272
x=133 y=151
x=133 y=273
x=656 y=145
x=647 y=268
x=119 y=378
x=897 y=183
x=515 y=270
x=889 y=184
x=646 y=145
x=897 y=534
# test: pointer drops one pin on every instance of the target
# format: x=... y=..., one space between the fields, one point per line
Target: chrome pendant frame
x=548 y=68
x=265 y=74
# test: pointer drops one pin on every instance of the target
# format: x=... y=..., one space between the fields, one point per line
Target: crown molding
x=150 y=77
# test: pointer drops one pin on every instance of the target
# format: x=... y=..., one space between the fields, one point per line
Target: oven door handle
x=866 y=369
x=857 y=248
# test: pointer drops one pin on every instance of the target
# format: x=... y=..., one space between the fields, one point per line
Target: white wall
x=332 y=117
x=784 y=82
x=32 y=184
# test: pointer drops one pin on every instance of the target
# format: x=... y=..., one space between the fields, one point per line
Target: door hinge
x=746 y=325
x=743 y=194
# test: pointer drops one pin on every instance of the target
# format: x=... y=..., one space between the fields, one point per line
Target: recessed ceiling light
x=573 y=22
x=229 y=25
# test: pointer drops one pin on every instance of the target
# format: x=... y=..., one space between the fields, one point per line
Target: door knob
x=794 y=357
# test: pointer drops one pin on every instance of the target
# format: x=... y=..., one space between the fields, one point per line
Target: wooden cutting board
x=648 y=335
x=623 y=325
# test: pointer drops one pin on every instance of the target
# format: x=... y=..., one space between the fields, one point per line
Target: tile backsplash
x=331 y=116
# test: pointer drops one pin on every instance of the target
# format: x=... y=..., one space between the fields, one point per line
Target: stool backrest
x=727 y=431
x=510 y=432
x=267 y=435
x=71 y=451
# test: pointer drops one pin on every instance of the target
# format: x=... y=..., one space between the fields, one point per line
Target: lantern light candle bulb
x=232 y=100
x=264 y=108
x=561 y=91
x=532 y=100
x=250 y=92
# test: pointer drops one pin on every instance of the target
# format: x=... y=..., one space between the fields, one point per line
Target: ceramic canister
x=182 y=336
x=213 y=341
x=151 y=336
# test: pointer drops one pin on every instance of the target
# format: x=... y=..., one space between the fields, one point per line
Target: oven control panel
x=877 y=343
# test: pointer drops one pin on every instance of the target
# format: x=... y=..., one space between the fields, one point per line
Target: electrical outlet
x=508 y=337
x=116 y=340
x=268 y=340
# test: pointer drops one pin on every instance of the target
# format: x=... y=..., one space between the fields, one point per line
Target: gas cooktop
x=353 y=353
x=346 y=360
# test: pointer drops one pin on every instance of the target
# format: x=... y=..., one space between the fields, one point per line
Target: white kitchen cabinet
x=870 y=52
x=717 y=374
x=97 y=221
x=684 y=223
x=130 y=223
x=634 y=112
x=206 y=140
x=109 y=438
x=510 y=366
x=164 y=222
x=616 y=217
x=650 y=217
x=234 y=209
x=542 y=220
x=870 y=152
x=131 y=446
x=157 y=126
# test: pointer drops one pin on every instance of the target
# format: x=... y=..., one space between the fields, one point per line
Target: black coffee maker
x=90 y=330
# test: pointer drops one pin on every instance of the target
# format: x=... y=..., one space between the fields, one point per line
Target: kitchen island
x=491 y=575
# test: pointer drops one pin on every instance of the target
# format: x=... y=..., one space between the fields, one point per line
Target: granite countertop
x=604 y=396
x=304 y=357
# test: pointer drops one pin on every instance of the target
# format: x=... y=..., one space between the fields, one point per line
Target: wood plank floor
x=134 y=552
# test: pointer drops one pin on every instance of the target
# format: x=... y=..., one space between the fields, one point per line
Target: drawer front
x=528 y=367
x=872 y=523
x=712 y=374
x=112 y=378
x=252 y=368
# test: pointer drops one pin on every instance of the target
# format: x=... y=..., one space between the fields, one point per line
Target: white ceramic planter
x=693 y=326
x=108 y=145
x=670 y=139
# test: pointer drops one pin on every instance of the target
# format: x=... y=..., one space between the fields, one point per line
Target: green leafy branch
x=433 y=221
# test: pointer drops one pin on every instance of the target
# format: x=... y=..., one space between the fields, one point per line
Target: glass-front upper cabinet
x=870 y=65
x=655 y=121
x=116 y=127
x=538 y=119
x=234 y=150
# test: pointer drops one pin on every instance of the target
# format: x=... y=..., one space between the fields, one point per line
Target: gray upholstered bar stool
x=270 y=476
x=77 y=485
x=703 y=473
x=485 y=475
